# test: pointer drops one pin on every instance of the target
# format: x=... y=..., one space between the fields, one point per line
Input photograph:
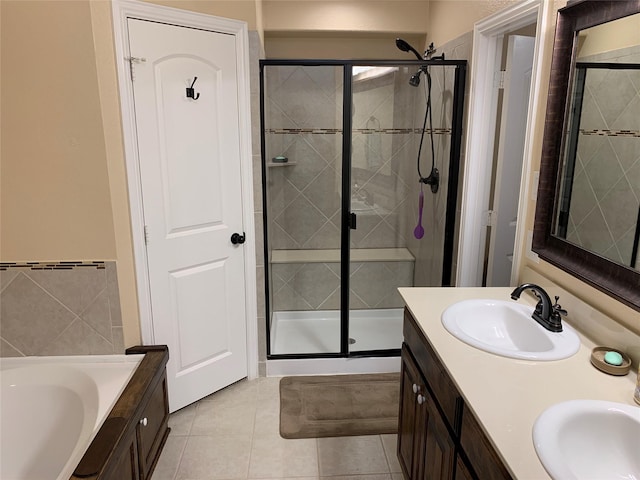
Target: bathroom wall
x=54 y=188
x=450 y=19
x=59 y=308
x=350 y=16
x=63 y=191
x=429 y=250
x=256 y=52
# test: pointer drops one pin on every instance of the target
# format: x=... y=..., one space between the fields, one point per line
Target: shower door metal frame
x=345 y=227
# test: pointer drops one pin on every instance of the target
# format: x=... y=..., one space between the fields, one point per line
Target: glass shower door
x=302 y=121
x=406 y=126
x=382 y=156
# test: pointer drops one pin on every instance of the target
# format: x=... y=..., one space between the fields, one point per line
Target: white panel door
x=189 y=153
x=510 y=158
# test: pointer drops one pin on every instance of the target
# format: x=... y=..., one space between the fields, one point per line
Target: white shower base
x=316 y=332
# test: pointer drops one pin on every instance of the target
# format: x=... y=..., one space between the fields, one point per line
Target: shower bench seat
x=310 y=279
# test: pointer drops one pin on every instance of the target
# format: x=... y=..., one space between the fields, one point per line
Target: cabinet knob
x=421 y=399
x=416 y=388
x=143 y=422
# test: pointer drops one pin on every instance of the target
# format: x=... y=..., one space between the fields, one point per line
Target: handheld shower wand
x=433 y=179
x=405 y=47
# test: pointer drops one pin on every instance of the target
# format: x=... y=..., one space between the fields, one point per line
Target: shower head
x=405 y=47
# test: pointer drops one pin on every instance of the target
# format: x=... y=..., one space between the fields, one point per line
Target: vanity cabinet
x=438 y=438
x=129 y=443
x=425 y=447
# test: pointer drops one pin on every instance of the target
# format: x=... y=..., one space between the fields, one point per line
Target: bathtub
x=52 y=408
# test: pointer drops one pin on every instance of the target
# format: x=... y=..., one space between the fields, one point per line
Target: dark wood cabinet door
x=425 y=448
x=440 y=449
x=152 y=429
x=407 y=414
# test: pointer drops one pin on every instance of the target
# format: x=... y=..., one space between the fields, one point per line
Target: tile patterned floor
x=234 y=434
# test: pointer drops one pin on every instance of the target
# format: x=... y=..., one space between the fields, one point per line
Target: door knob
x=236 y=238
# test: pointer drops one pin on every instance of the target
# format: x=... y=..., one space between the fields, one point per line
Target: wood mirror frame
x=618 y=281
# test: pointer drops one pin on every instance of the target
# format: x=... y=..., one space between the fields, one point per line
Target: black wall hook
x=191 y=92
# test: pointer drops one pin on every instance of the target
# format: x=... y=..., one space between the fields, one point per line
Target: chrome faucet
x=545 y=313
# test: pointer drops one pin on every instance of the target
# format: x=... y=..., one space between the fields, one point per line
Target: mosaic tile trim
x=611 y=133
x=98 y=264
x=364 y=131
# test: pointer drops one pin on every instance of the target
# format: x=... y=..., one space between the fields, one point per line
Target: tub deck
x=130 y=441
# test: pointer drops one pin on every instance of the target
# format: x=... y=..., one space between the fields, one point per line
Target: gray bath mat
x=339 y=405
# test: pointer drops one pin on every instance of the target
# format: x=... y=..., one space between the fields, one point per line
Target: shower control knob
x=236 y=238
x=144 y=422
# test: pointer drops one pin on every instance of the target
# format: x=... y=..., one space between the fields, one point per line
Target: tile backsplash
x=59 y=308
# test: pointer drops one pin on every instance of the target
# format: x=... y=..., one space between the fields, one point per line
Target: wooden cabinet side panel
x=126 y=466
x=445 y=392
x=479 y=450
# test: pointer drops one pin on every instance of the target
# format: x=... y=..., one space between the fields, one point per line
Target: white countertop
x=507 y=395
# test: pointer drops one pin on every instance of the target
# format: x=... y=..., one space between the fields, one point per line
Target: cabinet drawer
x=439 y=382
x=481 y=454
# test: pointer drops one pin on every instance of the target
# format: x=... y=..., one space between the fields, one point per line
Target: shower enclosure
x=340 y=143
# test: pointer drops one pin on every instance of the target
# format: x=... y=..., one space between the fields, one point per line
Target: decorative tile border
x=611 y=133
x=98 y=264
x=364 y=131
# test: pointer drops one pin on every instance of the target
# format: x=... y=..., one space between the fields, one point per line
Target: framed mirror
x=587 y=219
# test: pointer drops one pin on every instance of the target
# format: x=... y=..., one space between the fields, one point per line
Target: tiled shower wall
x=429 y=250
x=606 y=185
x=59 y=308
x=256 y=52
x=316 y=286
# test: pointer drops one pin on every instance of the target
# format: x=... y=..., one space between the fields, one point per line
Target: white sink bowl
x=589 y=439
x=506 y=328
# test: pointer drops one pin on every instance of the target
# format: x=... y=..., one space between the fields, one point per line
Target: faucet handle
x=557 y=308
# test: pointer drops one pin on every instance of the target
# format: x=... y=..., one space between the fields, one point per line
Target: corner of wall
x=101 y=19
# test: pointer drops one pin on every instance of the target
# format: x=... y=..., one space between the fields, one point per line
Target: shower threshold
x=318 y=331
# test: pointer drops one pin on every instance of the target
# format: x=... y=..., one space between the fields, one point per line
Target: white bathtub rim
x=13 y=362
x=112 y=373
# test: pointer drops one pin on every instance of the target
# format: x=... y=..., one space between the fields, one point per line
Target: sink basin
x=589 y=439
x=506 y=328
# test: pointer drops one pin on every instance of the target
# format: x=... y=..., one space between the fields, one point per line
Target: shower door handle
x=352 y=221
